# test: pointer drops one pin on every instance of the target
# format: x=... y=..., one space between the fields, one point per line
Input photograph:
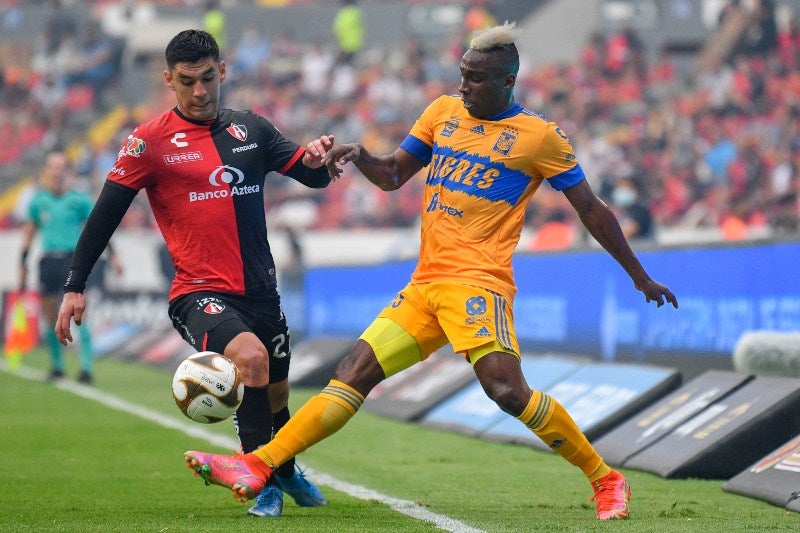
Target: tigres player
x=486 y=156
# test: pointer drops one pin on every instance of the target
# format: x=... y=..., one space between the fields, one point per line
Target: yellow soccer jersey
x=481 y=175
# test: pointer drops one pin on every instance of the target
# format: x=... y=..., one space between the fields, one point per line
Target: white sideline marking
x=405 y=507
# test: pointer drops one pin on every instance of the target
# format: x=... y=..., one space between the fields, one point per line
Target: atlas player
x=203 y=169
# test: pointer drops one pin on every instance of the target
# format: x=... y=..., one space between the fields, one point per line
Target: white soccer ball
x=207 y=387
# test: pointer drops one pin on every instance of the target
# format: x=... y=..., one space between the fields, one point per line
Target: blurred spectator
x=348 y=28
x=250 y=52
x=721 y=152
x=214 y=21
x=285 y=54
x=56 y=48
x=734 y=223
x=636 y=220
x=788 y=41
x=761 y=35
x=118 y=17
x=623 y=48
x=315 y=68
x=714 y=84
x=476 y=18
x=556 y=233
x=97 y=64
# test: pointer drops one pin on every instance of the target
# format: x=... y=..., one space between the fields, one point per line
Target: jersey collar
x=193 y=121
x=512 y=111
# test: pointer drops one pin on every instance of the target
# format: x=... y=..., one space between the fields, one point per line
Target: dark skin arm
x=604 y=227
x=388 y=172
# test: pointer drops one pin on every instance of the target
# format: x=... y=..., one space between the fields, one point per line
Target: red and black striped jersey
x=205 y=184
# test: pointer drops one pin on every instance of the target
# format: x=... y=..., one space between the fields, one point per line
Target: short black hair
x=191 y=46
x=507 y=57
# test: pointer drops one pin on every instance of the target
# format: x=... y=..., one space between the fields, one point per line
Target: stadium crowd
x=717 y=148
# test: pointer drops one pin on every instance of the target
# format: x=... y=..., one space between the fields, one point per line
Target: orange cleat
x=231 y=471
x=612 y=494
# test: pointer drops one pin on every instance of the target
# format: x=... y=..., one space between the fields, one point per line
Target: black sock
x=254 y=419
x=279 y=420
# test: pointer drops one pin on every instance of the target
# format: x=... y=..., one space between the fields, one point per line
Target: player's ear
x=223 y=71
x=511 y=80
x=168 y=79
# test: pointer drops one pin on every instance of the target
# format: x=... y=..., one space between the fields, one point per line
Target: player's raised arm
x=389 y=172
x=316 y=149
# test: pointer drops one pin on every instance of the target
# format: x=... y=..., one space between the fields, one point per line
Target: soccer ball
x=207 y=387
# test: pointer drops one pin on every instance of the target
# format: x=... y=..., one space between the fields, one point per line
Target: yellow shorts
x=474 y=321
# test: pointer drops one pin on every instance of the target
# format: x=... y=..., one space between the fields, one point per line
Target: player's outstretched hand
x=72 y=307
x=339 y=155
x=658 y=293
x=316 y=149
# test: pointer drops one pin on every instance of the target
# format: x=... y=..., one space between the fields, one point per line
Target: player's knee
x=360 y=369
x=253 y=363
x=510 y=399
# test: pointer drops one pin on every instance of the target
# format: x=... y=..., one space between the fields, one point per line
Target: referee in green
x=58 y=212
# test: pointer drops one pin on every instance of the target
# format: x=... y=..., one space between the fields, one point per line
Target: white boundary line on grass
x=405 y=507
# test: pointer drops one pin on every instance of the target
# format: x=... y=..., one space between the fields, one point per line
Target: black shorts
x=210 y=320
x=53 y=269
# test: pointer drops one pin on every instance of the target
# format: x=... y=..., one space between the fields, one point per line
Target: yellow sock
x=550 y=422
x=320 y=417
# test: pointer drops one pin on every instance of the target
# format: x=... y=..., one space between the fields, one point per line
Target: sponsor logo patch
x=220 y=178
x=182 y=157
x=251 y=146
x=134 y=146
x=178 y=141
x=434 y=205
x=483 y=332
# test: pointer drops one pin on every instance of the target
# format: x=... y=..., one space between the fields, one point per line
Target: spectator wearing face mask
x=636 y=219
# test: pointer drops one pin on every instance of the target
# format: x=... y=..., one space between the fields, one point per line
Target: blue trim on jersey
x=476 y=175
x=512 y=111
x=417 y=148
x=567 y=179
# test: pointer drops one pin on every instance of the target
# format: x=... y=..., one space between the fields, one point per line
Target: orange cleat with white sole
x=612 y=494
x=245 y=475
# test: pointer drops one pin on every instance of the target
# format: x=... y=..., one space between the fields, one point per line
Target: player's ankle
x=258 y=466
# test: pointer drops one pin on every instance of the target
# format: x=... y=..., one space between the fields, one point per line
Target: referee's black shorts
x=53 y=269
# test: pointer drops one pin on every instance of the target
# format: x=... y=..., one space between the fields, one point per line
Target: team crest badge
x=211 y=306
x=476 y=305
x=238 y=131
x=505 y=142
x=450 y=127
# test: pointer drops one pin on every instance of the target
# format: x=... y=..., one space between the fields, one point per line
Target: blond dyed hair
x=489 y=38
